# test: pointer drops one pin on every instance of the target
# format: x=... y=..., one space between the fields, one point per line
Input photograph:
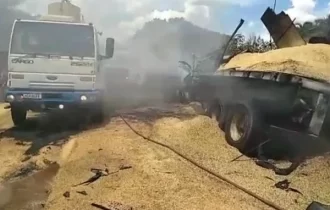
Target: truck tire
x=182 y=97
x=98 y=117
x=18 y=115
x=215 y=110
x=98 y=114
x=244 y=128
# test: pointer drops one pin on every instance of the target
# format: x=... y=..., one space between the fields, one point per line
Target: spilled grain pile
x=200 y=139
x=312 y=60
x=156 y=179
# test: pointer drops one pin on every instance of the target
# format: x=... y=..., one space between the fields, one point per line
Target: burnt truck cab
x=252 y=106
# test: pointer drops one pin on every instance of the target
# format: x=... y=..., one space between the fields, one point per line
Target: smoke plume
x=8 y=13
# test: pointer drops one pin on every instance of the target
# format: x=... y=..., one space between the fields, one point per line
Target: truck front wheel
x=18 y=114
x=244 y=128
x=98 y=115
x=100 y=112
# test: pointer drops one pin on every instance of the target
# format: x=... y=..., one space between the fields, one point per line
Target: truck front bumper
x=51 y=99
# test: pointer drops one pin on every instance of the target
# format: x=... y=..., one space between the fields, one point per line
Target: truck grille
x=45 y=85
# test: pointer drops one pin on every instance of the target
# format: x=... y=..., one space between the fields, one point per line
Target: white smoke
x=8 y=13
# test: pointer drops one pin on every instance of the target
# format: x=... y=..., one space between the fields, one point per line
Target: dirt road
x=143 y=175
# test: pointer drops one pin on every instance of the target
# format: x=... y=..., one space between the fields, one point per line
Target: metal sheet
x=282 y=29
x=319 y=114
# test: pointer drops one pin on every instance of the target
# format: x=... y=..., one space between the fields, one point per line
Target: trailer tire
x=215 y=110
x=182 y=97
x=247 y=136
x=18 y=114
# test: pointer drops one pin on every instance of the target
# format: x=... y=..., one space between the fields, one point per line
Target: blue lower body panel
x=35 y=99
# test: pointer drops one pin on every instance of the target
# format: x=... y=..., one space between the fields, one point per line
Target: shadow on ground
x=53 y=128
x=149 y=115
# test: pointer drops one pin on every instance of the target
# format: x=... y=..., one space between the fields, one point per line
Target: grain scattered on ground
x=157 y=178
x=201 y=140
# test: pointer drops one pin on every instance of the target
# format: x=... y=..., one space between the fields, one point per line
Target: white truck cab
x=54 y=62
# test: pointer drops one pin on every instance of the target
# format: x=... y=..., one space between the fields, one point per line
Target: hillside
x=160 y=44
x=178 y=34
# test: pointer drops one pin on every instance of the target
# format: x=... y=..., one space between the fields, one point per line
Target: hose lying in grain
x=263 y=200
x=262 y=161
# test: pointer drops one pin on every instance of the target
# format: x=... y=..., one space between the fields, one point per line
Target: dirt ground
x=140 y=174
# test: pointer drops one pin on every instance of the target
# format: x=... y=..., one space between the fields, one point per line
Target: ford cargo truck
x=55 y=63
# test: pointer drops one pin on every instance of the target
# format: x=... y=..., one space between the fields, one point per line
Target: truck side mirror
x=109 y=47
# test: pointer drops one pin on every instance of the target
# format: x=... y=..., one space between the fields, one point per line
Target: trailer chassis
x=253 y=106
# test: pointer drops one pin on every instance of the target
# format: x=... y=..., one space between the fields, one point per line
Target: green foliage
x=320 y=27
x=239 y=44
x=253 y=44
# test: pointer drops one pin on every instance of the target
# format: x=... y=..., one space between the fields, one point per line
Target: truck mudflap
x=52 y=99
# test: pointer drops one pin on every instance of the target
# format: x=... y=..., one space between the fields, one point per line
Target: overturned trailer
x=256 y=106
x=253 y=106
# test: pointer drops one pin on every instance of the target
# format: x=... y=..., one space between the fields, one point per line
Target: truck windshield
x=53 y=39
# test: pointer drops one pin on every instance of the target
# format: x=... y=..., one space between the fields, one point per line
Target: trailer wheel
x=216 y=111
x=18 y=114
x=182 y=97
x=243 y=128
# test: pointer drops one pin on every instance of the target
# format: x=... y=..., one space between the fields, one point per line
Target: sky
x=122 y=18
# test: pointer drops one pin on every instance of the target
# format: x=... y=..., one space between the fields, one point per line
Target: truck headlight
x=83 y=98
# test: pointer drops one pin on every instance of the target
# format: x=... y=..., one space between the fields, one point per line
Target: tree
x=320 y=27
x=253 y=44
x=309 y=29
x=239 y=44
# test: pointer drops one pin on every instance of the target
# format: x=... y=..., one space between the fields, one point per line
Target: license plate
x=32 y=95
